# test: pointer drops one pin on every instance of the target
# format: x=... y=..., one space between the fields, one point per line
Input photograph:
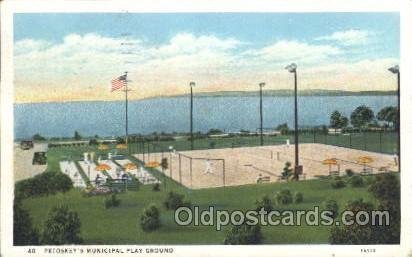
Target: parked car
x=26 y=144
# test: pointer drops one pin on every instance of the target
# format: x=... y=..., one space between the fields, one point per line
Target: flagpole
x=127 y=129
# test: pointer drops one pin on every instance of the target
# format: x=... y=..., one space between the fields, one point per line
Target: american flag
x=119 y=82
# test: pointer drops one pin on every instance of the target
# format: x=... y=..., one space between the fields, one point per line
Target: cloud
x=287 y=51
x=81 y=66
x=185 y=43
x=350 y=37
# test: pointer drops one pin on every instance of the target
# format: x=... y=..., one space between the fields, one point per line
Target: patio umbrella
x=103 y=167
x=365 y=160
x=330 y=162
x=103 y=147
x=121 y=146
x=152 y=164
x=130 y=166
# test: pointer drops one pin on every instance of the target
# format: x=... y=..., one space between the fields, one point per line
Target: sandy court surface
x=23 y=167
x=245 y=164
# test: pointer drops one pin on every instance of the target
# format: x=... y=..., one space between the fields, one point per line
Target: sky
x=73 y=57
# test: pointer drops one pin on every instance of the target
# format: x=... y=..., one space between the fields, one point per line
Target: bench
x=263 y=179
x=334 y=173
x=366 y=171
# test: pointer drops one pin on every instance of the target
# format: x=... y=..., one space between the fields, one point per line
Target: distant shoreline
x=266 y=93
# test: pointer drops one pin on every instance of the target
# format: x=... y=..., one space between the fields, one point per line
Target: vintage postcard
x=191 y=129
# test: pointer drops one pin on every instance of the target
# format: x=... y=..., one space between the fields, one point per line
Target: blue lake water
x=172 y=114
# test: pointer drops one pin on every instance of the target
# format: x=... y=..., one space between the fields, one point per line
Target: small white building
x=332 y=131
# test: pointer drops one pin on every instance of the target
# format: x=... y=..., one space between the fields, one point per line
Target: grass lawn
x=121 y=225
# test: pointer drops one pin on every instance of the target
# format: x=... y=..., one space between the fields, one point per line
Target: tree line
x=363 y=117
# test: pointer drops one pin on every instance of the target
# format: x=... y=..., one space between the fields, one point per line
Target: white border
x=9 y=7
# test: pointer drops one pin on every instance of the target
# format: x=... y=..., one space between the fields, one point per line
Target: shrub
x=175 y=200
x=150 y=219
x=265 y=203
x=46 y=183
x=386 y=189
x=298 y=197
x=111 y=201
x=284 y=197
x=369 y=180
x=287 y=171
x=61 y=227
x=356 y=181
x=332 y=205
x=164 y=164
x=349 y=172
x=337 y=183
x=156 y=187
x=23 y=231
x=355 y=233
x=244 y=234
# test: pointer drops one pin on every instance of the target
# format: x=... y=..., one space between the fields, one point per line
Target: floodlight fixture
x=394 y=69
x=291 y=67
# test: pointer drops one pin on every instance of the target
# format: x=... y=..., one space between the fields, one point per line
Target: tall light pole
x=191 y=84
x=261 y=85
x=292 y=68
x=395 y=70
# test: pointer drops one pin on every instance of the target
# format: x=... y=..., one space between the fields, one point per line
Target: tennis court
x=247 y=165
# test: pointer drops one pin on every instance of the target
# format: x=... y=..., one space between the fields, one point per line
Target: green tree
x=335 y=120
x=283 y=128
x=244 y=234
x=361 y=116
x=77 y=135
x=23 y=231
x=150 y=219
x=62 y=227
x=390 y=115
x=338 y=121
x=38 y=137
x=344 y=122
